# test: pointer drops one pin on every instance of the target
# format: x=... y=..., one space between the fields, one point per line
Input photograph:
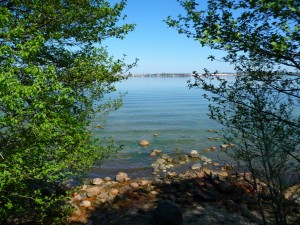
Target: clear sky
x=161 y=49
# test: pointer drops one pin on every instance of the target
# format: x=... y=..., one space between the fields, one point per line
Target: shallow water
x=156 y=105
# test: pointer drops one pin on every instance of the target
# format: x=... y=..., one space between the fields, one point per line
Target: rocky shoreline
x=201 y=195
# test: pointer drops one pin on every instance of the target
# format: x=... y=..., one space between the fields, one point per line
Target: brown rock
x=85 y=204
x=134 y=185
x=144 y=143
x=93 y=191
x=76 y=212
x=121 y=177
x=97 y=181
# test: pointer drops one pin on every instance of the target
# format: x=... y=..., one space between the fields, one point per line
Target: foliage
x=53 y=75
x=259 y=108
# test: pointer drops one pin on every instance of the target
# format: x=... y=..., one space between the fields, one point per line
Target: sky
x=161 y=49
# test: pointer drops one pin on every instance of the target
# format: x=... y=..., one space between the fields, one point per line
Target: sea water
x=165 y=106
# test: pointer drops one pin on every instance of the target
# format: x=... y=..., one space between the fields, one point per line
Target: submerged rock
x=196 y=166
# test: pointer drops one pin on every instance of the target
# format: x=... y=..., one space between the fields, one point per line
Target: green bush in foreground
x=53 y=75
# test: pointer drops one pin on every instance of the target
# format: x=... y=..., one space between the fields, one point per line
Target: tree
x=259 y=109
x=53 y=75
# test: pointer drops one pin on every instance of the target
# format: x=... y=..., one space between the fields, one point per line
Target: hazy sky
x=161 y=49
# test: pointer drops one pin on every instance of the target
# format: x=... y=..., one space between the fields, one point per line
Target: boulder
x=167 y=212
x=97 y=181
x=155 y=135
x=134 y=185
x=194 y=154
x=144 y=143
x=93 y=191
x=183 y=158
x=107 y=179
x=143 y=182
x=121 y=177
x=85 y=204
x=113 y=192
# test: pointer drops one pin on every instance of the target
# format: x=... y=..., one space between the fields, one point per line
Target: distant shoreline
x=175 y=75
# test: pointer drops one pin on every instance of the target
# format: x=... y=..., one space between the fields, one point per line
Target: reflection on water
x=163 y=106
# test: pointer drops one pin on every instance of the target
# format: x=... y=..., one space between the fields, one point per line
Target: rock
x=183 y=158
x=224 y=146
x=97 y=181
x=85 y=204
x=143 y=182
x=155 y=152
x=84 y=187
x=196 y=166
x=162 y=167
x=134 y=185
x=293 y=193
x=121 y=177
x=107 y=179
x=76 y=212
x=213 y=148
x=165 y=157
x=216 y=164
x=160 y=161
x=158 y=151
x=154 y=165
x=152 y=154
x=113 y=192
x=155 y=135
x=93 y=191
x=210 y=130
x=144 y=143
x=76 y=198
x=99 y=126
x=194 y=154
x=167 y=213
x=154 y=193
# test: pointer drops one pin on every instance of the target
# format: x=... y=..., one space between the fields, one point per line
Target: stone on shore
x=194 y=154
x=134 y=185
x=85 y=204
x=121 y=177
x=144 y=143
x=93 y=191
x=97 y=181
x=183 y=158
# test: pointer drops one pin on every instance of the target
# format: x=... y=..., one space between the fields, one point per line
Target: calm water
x=156 y=105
